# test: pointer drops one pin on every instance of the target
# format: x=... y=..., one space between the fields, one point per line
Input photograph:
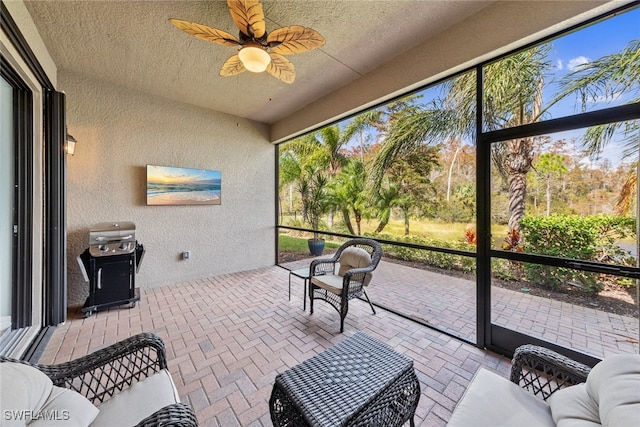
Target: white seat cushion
x=353 y=257
x=66 y=408
x=572 y=407
x=615 y=384
x=610 y=396
x=491 y=400
x=134 y=404
x=28 y=397
x=330 y=282
x=22 y=388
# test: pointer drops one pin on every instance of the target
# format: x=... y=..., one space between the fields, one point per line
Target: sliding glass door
x=567 y=275
x=559 y=139
x=7 y=203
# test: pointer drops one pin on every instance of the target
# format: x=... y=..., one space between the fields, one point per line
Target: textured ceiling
x=131 y=43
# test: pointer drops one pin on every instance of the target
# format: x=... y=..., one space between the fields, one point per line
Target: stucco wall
x=119 y=132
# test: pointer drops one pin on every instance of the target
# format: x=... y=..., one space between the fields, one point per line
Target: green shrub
x=432 y=258
x=506 y=269
x=291 y=242
x=588 y=238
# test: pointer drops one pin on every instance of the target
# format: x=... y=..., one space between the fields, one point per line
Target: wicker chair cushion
x=572 y=406
x=22 y=388
x=610 y=397
x=354 y=257
x=137 y=402
x=350 y=258
x=330 y=282
x=68 y=408
x=491 y=400
x=30 y=394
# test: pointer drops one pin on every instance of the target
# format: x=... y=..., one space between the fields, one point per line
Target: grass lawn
x=297 y=244
x=447 y=231
x=423 y=228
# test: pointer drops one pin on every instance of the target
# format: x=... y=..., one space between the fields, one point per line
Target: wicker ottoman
x=358 y=382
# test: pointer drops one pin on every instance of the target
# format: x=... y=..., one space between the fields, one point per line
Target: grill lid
x=112 y=238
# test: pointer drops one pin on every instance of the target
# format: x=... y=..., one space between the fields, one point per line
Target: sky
x=600 y=39
x=579 y=47
x=570 y=50
x=172 y=175
x=590 y=43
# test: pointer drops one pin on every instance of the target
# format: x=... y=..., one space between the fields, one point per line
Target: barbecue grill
x=110 y=264
x=112 y=238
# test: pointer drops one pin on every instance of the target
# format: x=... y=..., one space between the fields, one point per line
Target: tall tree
x=331 y=142
x=299 y=159
x=549 y=167
x=409 y=174
x=313 y=187
x=512 y=97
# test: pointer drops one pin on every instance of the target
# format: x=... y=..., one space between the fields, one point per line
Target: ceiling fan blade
x=281 y=68
x=248 y=17
x=232 y=66
x=204 y=32
x=294 y=39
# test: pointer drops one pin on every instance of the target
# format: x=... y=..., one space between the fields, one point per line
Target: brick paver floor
x=228 y=336
x=449 y=304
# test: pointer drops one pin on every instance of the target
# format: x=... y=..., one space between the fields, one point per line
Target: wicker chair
x=542 y=371
x=535 y=394
x=357 y=259
x=102 y=374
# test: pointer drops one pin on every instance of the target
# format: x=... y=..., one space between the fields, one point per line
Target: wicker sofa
x=124 y=384
x=548 y=389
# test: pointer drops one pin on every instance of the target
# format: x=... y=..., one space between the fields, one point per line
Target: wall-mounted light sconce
x=70 y=145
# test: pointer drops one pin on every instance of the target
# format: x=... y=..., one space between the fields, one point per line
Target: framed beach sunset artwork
x=183 y=186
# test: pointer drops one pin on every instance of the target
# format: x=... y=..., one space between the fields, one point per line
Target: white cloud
x=576 y=62
x=559 y=64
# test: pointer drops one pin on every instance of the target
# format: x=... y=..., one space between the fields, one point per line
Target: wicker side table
x=358 y=382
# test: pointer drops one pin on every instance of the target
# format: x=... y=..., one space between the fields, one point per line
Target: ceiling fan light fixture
x=254 y=58
x=259 y=51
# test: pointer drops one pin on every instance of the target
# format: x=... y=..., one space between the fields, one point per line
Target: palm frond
x=628 y=191
x=604 y=78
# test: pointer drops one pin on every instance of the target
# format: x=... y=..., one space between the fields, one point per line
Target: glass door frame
x=22 y=296
x=40 y=223
x=492 y=336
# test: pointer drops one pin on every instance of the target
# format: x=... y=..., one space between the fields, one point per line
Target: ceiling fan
x=259 y=50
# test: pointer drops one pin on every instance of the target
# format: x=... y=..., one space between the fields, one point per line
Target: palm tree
x=609 y=78
x=313 y=188
x=348 y=194
x=298 y=159
x=385 y=198
x=332 y=139
x=513 y=97
x=330 y=142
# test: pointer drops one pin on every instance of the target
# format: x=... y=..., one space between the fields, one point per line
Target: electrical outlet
x=186 y=255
